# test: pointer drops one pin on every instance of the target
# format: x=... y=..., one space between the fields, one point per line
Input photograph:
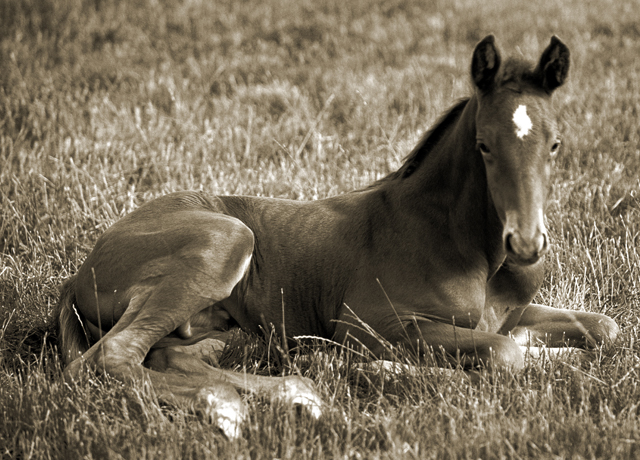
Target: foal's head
x=517 y=138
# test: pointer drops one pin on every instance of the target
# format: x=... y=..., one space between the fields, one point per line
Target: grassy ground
x=105 y=104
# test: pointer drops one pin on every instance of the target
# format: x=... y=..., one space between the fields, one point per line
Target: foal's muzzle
x=526 y=251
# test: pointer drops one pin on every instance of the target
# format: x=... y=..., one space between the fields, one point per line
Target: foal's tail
x=72 y=337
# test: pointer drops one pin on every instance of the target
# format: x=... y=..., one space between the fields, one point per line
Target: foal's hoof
x=225 y=408
x=300 y=391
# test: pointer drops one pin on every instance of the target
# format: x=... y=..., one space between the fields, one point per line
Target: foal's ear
x=553 y=67
x=485 y=63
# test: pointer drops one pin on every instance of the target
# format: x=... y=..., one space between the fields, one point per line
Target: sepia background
x=106 y=104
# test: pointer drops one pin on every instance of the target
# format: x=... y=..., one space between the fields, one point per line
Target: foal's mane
x=426 y=144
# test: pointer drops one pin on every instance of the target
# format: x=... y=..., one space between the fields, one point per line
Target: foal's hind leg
x=121 y=352
x=186 y=360
x=189 y=261
x=200 y=360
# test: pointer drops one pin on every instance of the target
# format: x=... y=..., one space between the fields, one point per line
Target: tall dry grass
x=105 y=104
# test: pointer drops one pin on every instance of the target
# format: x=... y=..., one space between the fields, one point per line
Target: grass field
x=105 y=104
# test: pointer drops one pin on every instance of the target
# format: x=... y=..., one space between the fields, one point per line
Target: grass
x=105 y=104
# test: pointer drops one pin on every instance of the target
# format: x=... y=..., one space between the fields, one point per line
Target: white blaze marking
x=522 y=121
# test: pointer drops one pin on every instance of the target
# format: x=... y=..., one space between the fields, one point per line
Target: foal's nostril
x=545 y=243
x=507 y=243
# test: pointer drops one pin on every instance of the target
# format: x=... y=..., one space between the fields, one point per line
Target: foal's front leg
x=530 y=325
x=468 y=348
x=554 y=327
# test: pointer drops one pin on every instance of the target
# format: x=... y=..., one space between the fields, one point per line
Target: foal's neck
x=450 y=185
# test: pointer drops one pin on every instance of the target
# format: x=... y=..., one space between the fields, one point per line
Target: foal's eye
x=483 y=148
x=554 y=148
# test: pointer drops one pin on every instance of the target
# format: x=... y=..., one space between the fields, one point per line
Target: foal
x=455 y=237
